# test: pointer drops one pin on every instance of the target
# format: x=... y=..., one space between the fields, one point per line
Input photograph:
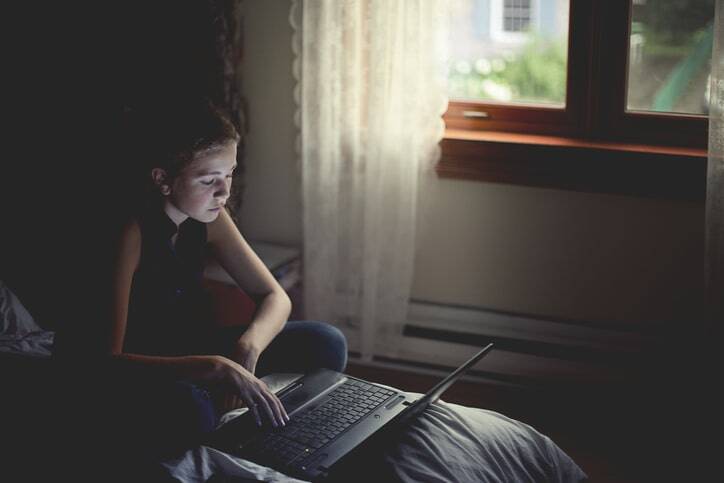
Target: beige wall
x=589 y=257
x=271 y=208
x=594 y=257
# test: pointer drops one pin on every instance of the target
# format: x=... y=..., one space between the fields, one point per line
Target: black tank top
x=169 y=310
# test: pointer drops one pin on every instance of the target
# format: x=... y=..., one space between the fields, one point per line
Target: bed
x=448 y=443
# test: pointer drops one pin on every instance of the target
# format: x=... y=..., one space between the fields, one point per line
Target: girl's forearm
x=268 y=321
x=199 y=369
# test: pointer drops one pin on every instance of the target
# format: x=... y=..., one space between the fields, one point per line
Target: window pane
x=670 y=56
x=510 y=51
x=516 y=15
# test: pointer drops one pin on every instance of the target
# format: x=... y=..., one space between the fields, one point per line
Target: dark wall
x=69 y=69
x=169 y=50
x=71 y=72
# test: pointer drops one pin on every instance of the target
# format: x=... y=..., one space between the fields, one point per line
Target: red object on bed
x=232 y=306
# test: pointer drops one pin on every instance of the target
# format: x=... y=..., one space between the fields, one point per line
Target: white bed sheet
x=448 y=443
x=19 y=333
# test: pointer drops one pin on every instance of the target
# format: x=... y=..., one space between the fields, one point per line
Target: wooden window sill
x=574 y=164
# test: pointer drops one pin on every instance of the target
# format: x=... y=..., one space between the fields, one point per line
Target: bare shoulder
x=130 y=232
x=128 y=243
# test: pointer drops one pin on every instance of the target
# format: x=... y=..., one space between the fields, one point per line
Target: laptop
x=331 y=415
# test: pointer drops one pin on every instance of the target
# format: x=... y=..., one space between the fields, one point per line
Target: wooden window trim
x=539 y=119
x=574 y=164
x=592 y=145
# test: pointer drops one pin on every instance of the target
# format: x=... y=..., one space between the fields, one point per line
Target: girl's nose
x=222 y=190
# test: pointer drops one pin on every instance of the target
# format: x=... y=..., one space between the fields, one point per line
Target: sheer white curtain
x=715 y=179
x=371 y=92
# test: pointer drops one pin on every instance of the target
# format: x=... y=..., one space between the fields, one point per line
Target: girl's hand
x=253 y=392
x=226 y=402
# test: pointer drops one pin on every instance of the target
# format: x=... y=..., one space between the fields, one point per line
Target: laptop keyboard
x=312 y=429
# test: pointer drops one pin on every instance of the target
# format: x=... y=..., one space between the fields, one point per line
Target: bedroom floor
x=604 y=434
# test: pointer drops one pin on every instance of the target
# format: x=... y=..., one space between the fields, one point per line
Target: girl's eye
x=208 y=183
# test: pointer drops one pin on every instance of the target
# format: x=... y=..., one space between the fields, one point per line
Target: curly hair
x=172 y=136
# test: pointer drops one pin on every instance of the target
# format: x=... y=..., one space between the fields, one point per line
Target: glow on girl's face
x=201 y=189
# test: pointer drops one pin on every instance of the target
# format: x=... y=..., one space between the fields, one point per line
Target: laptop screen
x=434 y=394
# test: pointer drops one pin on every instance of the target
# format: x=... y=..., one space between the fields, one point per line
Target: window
x=516 y=15
x=499 y=54
x=608 y=75
x=660 y=74
x=669 y=56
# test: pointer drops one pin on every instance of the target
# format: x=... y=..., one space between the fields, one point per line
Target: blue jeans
x=301 y=347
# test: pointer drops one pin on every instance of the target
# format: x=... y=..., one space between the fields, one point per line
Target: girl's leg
x=158 y=418
x=124 y=422
x=179 y=418
x=303 y=346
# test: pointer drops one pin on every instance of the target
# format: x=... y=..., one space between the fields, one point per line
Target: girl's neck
x=176 y=215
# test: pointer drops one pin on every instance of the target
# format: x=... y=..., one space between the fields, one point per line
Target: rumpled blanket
x=19 y=333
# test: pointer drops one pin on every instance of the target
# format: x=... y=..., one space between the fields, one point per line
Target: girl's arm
x=216 y=370
x=128 y=256
x=236 y=256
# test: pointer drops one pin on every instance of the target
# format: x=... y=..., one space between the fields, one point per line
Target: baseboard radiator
x=529 y=350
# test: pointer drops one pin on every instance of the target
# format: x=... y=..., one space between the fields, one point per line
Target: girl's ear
x=160 y=179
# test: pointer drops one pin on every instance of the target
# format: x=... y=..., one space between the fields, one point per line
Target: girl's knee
x=172 y=416
x=332 y=334
x=329 y=346
x=197 y=414
x=338 y=342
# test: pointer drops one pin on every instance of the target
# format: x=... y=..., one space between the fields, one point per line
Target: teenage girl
x=161 y=327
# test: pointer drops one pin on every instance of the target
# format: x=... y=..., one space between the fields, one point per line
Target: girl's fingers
x=280 y=413
x=283 y=409
x=253 y=408
x=279 y=410
x=261 y=401
x=265 y=408
x=257 y=416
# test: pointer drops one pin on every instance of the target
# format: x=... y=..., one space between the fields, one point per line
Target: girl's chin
x=212 y=215
x=206 y=217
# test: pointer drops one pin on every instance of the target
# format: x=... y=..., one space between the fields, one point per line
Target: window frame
x=616 y=123
x=594 y=123
x=533 y=17
x=492 y=116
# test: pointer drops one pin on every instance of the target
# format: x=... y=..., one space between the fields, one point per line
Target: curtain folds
x=370 y=97
x=225 y=88
x=715 y=180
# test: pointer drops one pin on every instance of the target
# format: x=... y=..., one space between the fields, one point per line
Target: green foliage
x=672 y=27
x=671 y=22
x=536 y=73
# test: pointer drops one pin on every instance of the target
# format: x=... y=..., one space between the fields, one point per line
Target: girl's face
x=201 y=189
